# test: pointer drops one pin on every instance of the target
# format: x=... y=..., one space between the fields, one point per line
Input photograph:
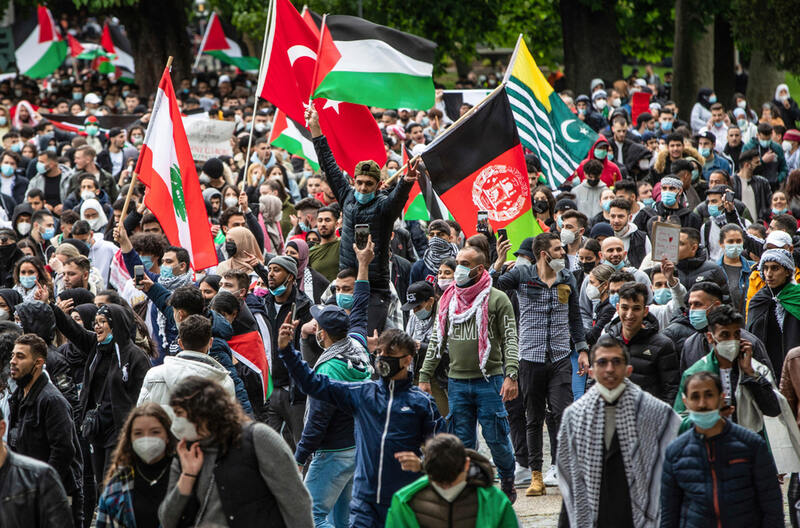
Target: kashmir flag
x=546 y=126
x=173 y=194
x=218 y=43
x=293 y=137
x=117 y=44
x=478 y=164
x=375 y=65
x=38 y=48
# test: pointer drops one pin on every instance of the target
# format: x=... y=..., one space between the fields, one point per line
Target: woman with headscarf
x=270 y=215
x=310 y=281
x=92 y=212
x=701 y=111
x=787 y=107
x=240 y=245
x=8 y=300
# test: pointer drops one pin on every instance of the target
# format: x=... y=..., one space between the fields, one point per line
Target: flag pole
x=203 y=42
x=135 y=171
x=513 y=58
x=390 y=179
x=258 y=89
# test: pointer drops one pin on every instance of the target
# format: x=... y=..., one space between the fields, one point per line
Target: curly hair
x=123 y=456
x=208 y=405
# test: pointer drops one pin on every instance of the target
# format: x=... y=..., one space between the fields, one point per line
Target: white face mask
x=728 y=349
x=183 y=429
x=592 y=292
x=96 y=223
x=461 y=275
x=742 y=104
x=610 y=395
x=87 y=195
x=3 y=314
x=149 y=448
x=644 y=164
x=24 y=228
x=557 y=264
x=231 y=201
x=522 y=262
x=786 y=145
x=567 y=237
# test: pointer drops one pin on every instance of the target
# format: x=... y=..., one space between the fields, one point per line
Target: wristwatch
x=512 y=376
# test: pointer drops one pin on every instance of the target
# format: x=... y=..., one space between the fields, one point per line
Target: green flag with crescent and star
x=546 y=126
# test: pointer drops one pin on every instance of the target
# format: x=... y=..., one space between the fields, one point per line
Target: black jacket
x=762 y=191
x=41 y=427
x=280 y=376
x=603 y=314
x=698 y=269
x=31 y=494
x=637 y=248
x=654 y=361
x=686 y=216
x=679 y=330
x=380 y=213
x=696 y=347
x=761 y=320
x=127 y=369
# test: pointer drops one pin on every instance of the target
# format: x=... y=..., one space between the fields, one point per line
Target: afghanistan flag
x=293 y=137
x=218 y=42
x=173 y=194
x=546 y=126
x=478 y=164
x=117 y=44
x=375 y=65
x=38 y=48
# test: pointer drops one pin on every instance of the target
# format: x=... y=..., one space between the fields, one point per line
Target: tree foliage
x=770 y=26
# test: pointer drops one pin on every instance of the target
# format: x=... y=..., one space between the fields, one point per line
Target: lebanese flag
x=173 y=194
x=219 y=44
x=479 y=164
x=288 y=62
x=116 y=43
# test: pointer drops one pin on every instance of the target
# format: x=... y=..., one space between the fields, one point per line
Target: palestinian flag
x=173 y=194
x=546 y=126
x=38 y=47
x=248 y=347
x=76 y=124
x=478 y=164
x=217 y=42
x=293 y=137
x=423 y=203
x=101 y=59
x=375 y=65
x=117 y=44
x=453 y=99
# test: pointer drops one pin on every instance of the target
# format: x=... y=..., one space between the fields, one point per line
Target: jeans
x=543 y=384
x=367 y=514
x=478 y=400
x=578 y=382
x=330 y=483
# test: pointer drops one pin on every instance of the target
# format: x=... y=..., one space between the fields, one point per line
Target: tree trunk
x=763 y=77
x=724 y=59
x=693 y=58
x=591 y=44
x=156 y=30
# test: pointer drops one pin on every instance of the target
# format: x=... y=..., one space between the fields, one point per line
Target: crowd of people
x=318 y=377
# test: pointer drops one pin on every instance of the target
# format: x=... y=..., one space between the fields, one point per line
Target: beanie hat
x=287 y=263
x=781 y=256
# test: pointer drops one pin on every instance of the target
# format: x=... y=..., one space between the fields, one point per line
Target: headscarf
x=87 y=312
x=302 y=260
x=703 y=95
x=12 y=298
x=17 y=122
x=245 y=242
x=102 y=219
x=780 y=88
x=438 y=251
x=78 y=296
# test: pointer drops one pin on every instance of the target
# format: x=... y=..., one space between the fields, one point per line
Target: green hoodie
x=494 y=508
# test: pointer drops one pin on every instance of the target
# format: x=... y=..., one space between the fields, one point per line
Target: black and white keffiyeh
x=438 y=250
x=645 y=426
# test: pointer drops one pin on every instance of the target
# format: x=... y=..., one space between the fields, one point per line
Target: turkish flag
x=289 y=61
x=352 y=133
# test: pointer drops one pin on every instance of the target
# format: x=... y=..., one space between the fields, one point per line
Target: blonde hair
x=67 y=249
x=602 y=272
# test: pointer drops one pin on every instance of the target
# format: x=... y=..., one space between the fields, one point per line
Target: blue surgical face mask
x=41 y=168
x=648 y=202
x=7 y=169
x=733 y=250
x=391 y=172
x=422 y=314
x=280 y=290
x=610 y=155
x=303 y=227
x=742 y=123
x=695 y=175
x=704 y=419
x=698 y=319
x=600 y=153
x=3 y=120
x=51 y=148
x=77 y=96
x=364 y=198
x=344 y=300
x=16 y=147
x=606 y=204
x=167 y=273
x=560 y=223
x=779 y=211
x=662 y=295
x=147 y=262
x=705 y=151
x=669 y=198
x=712 y=99
x=461 y=275
x=714 y=210
x=666 y=126
x=613 y=299
x=615 y=266
x=92 y=130
x=106 y=340
x=763 y=142
x=27 y=281
x=49 y=233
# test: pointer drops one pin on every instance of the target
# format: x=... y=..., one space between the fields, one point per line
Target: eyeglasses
x=603 y=362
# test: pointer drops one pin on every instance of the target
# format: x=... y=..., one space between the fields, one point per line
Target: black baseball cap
x=418 y=293
x=565 y=204
x=331 y=318
x=526 y=248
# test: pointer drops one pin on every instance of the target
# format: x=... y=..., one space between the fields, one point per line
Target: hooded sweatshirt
x=610 y=174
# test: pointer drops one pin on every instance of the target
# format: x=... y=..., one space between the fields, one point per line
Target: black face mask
x=24 y=380
x=588 y=266
x=592 y=183
x=540 y=206
x=388 y=367
x=230 y=247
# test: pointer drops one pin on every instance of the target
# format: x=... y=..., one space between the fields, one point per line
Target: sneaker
x=551 y=477
x=522 y=476
x=537 y=486
x=507 y=485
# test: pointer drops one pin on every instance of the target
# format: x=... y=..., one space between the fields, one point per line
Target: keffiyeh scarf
x=172 y=284
x=438 y=250
x=644 y=425
x=347 y=351
x=458 y=305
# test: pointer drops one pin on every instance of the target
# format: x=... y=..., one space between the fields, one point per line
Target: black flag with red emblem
x=480 y=165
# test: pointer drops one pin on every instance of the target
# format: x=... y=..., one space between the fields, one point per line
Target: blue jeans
x=330 y=483
x=578 y=382
x=478 y=400
x=367 y=514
